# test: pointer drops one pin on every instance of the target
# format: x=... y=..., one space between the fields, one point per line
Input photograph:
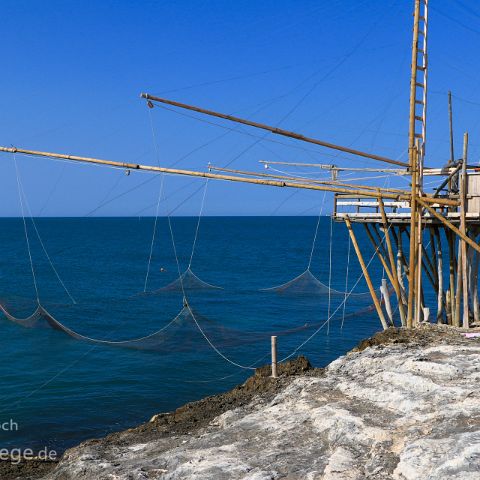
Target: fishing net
x=187 y=331
x=308 y=284
x=187 y=281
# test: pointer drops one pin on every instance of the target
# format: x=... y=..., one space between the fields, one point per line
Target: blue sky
x=337 y=70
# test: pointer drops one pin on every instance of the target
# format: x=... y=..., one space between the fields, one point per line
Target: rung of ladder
x=421 y=67
x=422 y=19
x=419 y=102
x=420 y=119
x=421 y=51
x=421 y=32
x=418 y=135
x=420 y=85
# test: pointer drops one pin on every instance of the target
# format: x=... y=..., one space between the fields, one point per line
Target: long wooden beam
x=194 y=173
x=306 y=180
x=276 y=130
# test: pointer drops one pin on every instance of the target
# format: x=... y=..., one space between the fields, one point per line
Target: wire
x=26 y=230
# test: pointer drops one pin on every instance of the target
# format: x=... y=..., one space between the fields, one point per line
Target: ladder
x=419 y=77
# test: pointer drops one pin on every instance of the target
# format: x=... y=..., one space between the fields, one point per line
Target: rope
x=26 y=230
x=198 y=223
x=346 y=279
x=316 y=231
x=330 y=274
x=160 y=194
x=336 y=310
x=186 y=305
x=44 y=248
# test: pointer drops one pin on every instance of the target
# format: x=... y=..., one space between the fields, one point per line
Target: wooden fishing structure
x=418 y=237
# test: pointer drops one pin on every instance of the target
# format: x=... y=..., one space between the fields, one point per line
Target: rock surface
x=402 y=406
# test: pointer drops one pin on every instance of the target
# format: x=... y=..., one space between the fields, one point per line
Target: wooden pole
x=418 y=282
x=396 y=285
x=413 y=238
x=458 y=290
x=278 y=131
x=450 y=237
x=305 y=180
x=378 y=247
x=366 y=274
x=413 y=83
x=450 y=122
x=448 y=224
x=193 y=173
x=463 y=229
x=386 y=299
x=451 y=273
x=436 y=238
x=274 y=357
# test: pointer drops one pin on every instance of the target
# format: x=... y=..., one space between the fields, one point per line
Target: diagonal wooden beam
x=448 y=224
x=276 y=130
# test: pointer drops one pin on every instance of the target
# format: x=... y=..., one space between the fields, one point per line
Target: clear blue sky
x=72 y=72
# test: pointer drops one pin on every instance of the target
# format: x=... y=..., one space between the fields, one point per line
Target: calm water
x=61 y=391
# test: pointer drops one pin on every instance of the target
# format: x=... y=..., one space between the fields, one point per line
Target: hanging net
x=187 y=331
x=308 y=284
x=187 y=281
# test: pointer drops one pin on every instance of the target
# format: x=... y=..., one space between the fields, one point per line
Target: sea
x=105 y=279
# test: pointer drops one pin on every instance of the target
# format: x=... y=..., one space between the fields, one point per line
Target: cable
x=336 y=310
x=26 y=230
x=198 y=224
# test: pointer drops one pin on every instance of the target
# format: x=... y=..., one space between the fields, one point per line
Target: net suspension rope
x=330 y=275
x=59 y=278
x=346 y=280
x=185 y=300
x=25 y=229
x=316 y=231
x=160 y=194
x=202 y=206
x=154 y=232
x=336 y=310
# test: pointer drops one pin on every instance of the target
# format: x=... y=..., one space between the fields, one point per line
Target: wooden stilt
x=376 y=246
x=439 y=259
x=418 y=281
x=474 y=288
x=366 y=274
x=463 y=229
x=386 y=300
x=451 y=274
x=413 y=240
x=395 y=283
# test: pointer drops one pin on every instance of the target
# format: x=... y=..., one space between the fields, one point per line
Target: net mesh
x=308 y=284
x=187 y=281
x=181 y=334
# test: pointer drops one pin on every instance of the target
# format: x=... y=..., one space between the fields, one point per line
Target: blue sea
x=59 y=390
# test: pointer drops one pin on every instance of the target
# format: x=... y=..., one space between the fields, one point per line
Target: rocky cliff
x=404 y=405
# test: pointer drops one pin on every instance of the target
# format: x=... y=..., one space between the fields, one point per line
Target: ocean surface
x=59 y=390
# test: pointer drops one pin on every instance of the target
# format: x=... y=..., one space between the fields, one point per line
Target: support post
x=366 y=274
x=463 y=229
x=413 y=239
x=274 y=356
x=386 y=299
x=436 y=239
x=396 y=284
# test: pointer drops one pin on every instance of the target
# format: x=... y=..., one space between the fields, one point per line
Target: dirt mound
x=423 y=335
